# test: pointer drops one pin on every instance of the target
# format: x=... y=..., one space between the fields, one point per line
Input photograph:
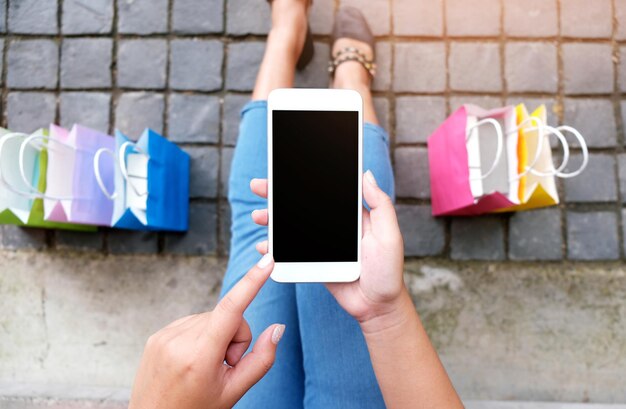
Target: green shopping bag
x=21 y=203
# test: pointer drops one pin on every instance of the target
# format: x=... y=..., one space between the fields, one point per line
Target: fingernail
x=278 y=334
x=253 y=212
x=265 y=261
x=370 y=178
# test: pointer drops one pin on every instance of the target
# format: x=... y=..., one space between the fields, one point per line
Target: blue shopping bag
x=151 y=184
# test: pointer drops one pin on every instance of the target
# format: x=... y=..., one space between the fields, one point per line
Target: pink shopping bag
x=453 y=190
x=74 y=176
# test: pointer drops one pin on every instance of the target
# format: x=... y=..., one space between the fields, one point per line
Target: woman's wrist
x=394 y=315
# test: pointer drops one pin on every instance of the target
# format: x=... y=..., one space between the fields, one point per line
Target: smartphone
x=315 y=140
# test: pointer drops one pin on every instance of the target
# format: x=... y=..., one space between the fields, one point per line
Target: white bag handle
x=34 y=190
x=4 y=182
x=121 y=161
x=539 y=127
x=96 y=171
x=583 y=146
x=499 y=147
x=566 y=153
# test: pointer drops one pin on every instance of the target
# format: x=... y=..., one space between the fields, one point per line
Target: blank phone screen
x=315 y=186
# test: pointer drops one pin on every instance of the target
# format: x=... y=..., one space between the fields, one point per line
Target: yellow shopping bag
x=535 y=189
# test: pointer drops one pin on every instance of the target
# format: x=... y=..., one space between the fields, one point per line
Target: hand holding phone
x=380 y=289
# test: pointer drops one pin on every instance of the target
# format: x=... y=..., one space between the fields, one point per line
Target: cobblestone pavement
x=185 y=67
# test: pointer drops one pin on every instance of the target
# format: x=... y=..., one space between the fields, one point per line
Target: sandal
x=350 y=23
x=308 y=50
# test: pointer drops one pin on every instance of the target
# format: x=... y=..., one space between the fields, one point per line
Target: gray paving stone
x=132 y=242
x=531 y=18
x=201 y=239
x=418 y=117
x=621 y=166
x=198 y=16
x=531 y=67
x=412 y=173
x=29 y=111
x=423 y=234
x=3 y=16
x=33 y=17
x=382 y=79
x=482 y=101
x=248 y=17
x=136 y=111
x=418 y=17
x=596 y=184
x=89 y=109
x=594 y=119
x=194 y=118
x=475 y=67
x=376 y=13
x=226 y=160
x=580 y=19
x=225 y=222
x=32 y=64
x=233 y=103
x=477 y=238
x=22 y=238
x=196 y=64
x=79 y=241
x=141 y=63
x=620 y=16
x=87 y=16
x=243 y=63
x=552 y=107
x=86 y=62
x=426 y=58
x=142 y=16
x=315 y=75
x=587 y=68
x=203 y=177
x=381 y=107
x=321 y=16
x=536 y=235
x=473 y=17
x=592 y=236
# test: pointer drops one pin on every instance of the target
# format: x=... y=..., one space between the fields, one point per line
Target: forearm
x=407 y=367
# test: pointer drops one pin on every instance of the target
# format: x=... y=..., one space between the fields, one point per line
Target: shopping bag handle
x=98 y=175
x=499 y=148
x=22 y=152
x=121 y=161
x=566 y=153
x=583 y=146
x=539 y=127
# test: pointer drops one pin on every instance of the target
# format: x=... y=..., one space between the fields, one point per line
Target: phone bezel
x=315 y=100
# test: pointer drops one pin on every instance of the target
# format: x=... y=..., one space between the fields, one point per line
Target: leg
x=333 y=346
x=283 y=386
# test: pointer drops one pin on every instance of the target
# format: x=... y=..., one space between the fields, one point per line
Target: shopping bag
x=16 y=201
x=73 y=188
x=25 y=172
x=59 y=192
x=151 y=184
x=474 y=171
x=537 y=185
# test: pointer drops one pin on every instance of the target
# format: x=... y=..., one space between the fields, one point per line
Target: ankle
x=351 y=75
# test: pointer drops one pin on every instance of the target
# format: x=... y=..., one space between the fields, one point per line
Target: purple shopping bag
x=90 y=205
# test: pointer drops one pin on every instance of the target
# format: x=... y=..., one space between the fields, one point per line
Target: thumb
x=256 y=364
x=384 y=222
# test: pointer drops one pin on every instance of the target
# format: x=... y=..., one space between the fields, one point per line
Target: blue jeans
x=322 y=360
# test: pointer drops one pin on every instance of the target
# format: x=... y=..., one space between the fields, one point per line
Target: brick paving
x=185 y=68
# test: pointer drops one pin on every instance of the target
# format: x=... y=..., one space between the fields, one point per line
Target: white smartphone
x=315 y=140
